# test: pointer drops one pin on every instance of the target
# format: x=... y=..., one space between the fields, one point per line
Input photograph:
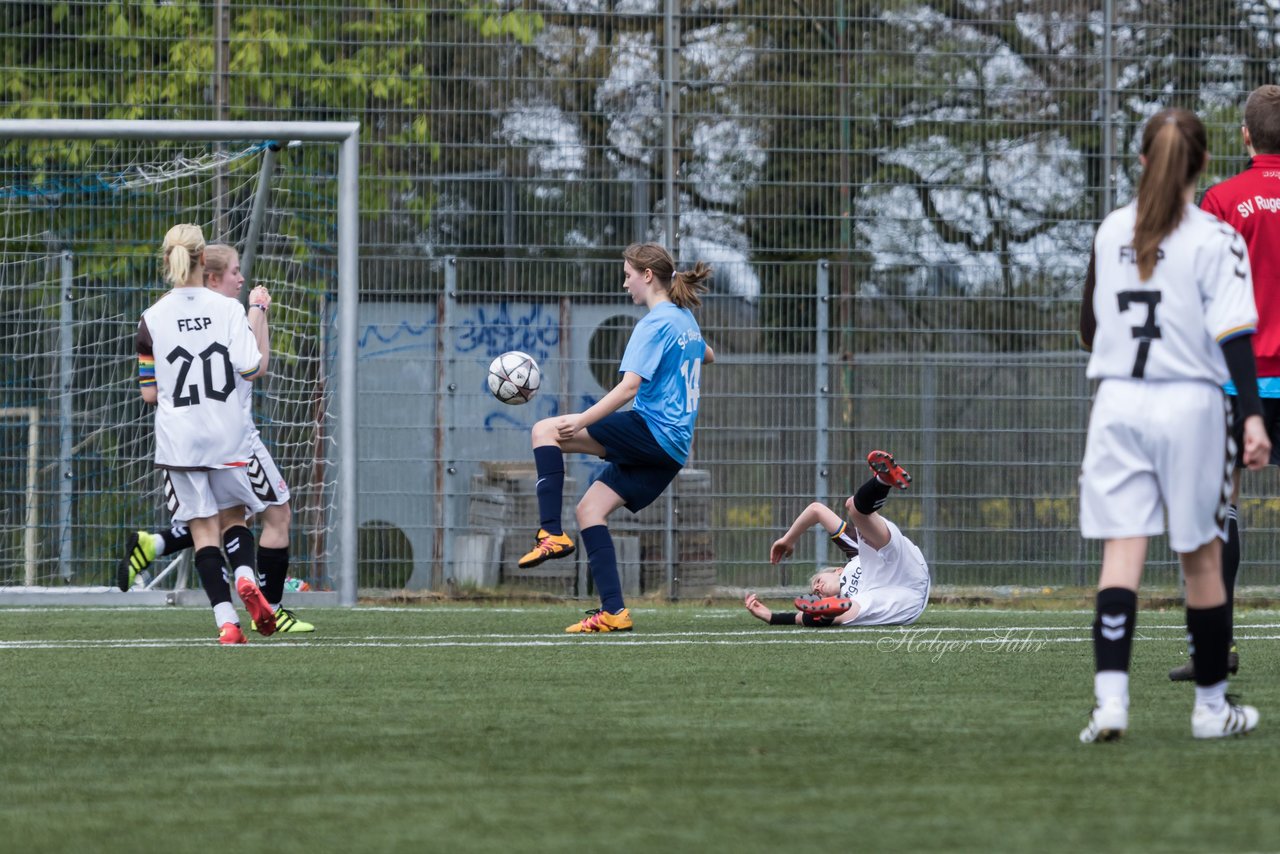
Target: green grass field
x=472 y=728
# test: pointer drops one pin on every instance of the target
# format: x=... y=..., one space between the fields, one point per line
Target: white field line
x=708 y=613
x=923 y=639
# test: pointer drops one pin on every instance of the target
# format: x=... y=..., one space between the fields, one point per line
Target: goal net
x=81 y=224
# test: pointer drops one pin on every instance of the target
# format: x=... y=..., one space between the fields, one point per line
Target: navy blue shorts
x=638 y=468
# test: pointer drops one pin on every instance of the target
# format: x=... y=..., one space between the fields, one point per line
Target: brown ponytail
x=686 y=286
x=1175 y=147
x=683 y=288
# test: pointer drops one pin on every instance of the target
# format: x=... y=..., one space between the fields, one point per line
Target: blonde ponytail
x=181 y=251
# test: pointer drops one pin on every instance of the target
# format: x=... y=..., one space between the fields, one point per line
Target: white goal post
x=346 y=136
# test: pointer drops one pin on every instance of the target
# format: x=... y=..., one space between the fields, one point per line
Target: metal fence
x=898 y=198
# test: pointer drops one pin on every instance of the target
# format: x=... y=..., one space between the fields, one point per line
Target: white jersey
x=1170 y=327
x=200 y=344
x=244 y=391
x=899 y=564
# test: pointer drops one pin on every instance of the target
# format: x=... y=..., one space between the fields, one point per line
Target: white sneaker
x=1107 y=723
x=1232 y=720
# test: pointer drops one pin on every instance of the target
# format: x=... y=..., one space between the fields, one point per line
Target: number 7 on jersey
x=1148 y=331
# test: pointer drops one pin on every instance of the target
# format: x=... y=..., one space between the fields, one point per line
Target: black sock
x=1113 y=626
x=1231 y=558
x=1209 y=637
x=213 y=574
x=273 y=569
x=871 y=496
x=176 y=539
x=238 y=541
x=549 y=460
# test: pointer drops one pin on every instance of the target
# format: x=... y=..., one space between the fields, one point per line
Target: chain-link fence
x=898 y=198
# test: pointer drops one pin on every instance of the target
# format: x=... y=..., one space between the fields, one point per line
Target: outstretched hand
x=780 y=551
x=756 y=607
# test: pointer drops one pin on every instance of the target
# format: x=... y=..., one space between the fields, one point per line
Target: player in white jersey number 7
x=1168 y=312
x=192 y=345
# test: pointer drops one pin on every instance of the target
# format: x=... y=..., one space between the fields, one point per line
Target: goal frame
x=347 y=135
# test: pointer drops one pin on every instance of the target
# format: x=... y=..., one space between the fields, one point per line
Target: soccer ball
x=514 y=377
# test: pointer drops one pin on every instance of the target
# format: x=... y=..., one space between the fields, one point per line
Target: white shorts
x=265 y=477
x=1157 y=448
x=903 y=574
x=889 y=606
x=201 y=494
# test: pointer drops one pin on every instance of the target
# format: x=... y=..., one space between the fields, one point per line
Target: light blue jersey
x=666 y=350
x=1267 y=387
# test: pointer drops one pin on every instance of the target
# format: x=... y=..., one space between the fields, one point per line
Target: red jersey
x=1250 y=203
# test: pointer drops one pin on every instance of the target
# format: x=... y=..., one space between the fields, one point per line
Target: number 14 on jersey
x=692 y=373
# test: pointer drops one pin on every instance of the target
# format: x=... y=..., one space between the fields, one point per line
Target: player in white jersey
x=192 y=345
x=222 y=275
x=1168 y=313
x=886 y=580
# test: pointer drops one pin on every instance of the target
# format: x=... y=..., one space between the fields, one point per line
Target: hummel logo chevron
x=1112 y=626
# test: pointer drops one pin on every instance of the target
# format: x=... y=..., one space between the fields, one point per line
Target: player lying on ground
x=885 y=582
x=222 y=275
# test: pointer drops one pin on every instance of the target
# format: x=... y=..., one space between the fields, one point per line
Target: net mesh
x=81 y=223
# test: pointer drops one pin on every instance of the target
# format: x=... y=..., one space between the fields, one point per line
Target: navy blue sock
x=603 y=561
x=549 y=460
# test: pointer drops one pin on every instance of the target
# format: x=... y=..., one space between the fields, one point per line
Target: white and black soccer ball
x=514 y=377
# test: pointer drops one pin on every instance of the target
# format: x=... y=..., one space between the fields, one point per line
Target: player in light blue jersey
x=645 y=446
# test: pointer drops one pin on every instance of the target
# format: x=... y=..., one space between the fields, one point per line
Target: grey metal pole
x=822 y=402
x=260 y=196
x=669 y=94
x=447 y=470
x=348 y=317
x=929 y=453
x=66 y=415
x=174 y=129
x=1107 y=96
